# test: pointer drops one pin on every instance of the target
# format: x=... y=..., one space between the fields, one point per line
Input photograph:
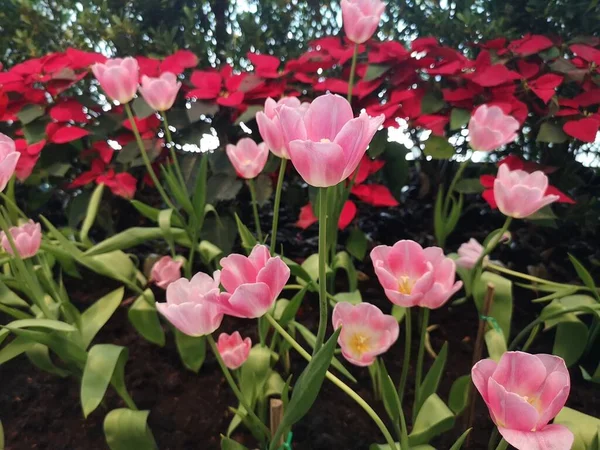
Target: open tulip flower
x=361 y=18
x=326 y=143
x=519 y=194
x=160 y=93
x=27 y=237
x=247 y=157
x=413 y=276
x=269 y=127
x=233 y=349
x=118 y=77
x=490 y=128
x=253 y=283
x=366 y=331
x=165 y=271
x=524 y=392
x=9 y=156
x=193 y=305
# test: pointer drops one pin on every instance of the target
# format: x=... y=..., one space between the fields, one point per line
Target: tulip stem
x=234 y=387
x=144 y=154
x=420 y=357
x=339 y=383
x=406 y=361
x=487 y=249
x=282 y=166
x=461 y=168
x=503 y=445
x=352 y=72
x=322 y=270
x=173 y=153
x=255 y=209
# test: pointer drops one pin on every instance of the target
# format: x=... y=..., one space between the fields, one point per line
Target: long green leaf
x=15 y=348
x=144 y=317
x=192 y=350
x=131 y=237
x=432 y=379
x=433 y=419
x=126 y=429
x=461 y=440
x=48 y=324
x=39 y=355
x=96 y=316
x=199 y=196
x=92 y=212
x=391 y=401
x=248 y=239
x=585 y=276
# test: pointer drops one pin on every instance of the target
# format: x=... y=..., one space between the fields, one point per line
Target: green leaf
x=391 y=401
x=92 y=212
x=248 y=239
x=39 y=356
x=264 y=189
x=230 y=444
x=131 y=237
x=432 y=379
x=289 y=313
x=584 y=427
x=438 y=148
x=374 y=71
x=199 y=197
x=152 y=213
x=48 y=324
x=249 y=114
x=461 y=440
x=14 y=348
x=378 y=144
x=126 y=429
x=459 y=394
x=433 y=419
x=105 y=365
x=396 y=169
x=357 y=244
x=570 y=340
x=432 y=102
x=495 y=343
x=353 y=297
x=439 y=220
x=29 y=113
x=469 y=186
x=9 y=298
x=2 y=443
x=399 y=312
x=459 y=118
x=209 y=251
x=552 y=133
x=192 y=350
x=502 y=307
x=141 y=109
x=307 y=387
x=343 y=261
x=144 y=317
x=96 y=316
x=585 y=276
x=222 y=187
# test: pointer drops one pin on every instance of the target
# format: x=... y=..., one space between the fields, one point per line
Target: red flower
x=211 y=85
x=121 y=184
x=29 y=157
x=307 y=216
x=583 y=129
x=375 y=194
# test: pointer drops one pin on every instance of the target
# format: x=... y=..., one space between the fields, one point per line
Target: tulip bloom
x=253 y=283
x=118 y=77
x=165 y=271
x=413 y=276
x=366 y=332
x=361 y=18
x=9 y=156
x=269 y=127
x=469 y=253
x=490 y=128
x=247 y=157
x=523 y=392
x=27 y=237
x=326 y=143
x=519 y=194
x=233 y=349
x=193 y=305
x=160 y=93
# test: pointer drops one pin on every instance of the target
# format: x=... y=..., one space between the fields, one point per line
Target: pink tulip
x=326 y=143
x=193 y=305
x=233 y=349
x=520 y=194
x=165 y=271
x=252 y=283
x=269 y=127
x=523 y=392
x=469 y=253
x=160 y=93
x=490 y=128
x=361 y=18
x=247 y=157
x=366 y=332
x=9 y=156
x=118 y=77
x=27 y=237
x=413 y=276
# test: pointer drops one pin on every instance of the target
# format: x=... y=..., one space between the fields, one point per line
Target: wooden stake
x=477 y=354
x=276 y=412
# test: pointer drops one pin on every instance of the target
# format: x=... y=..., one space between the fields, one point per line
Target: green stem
x=406 y=361
x=172 y=152
x=189 y=264
x=322 y=269
x=352 y=72
x=339 y=383
x=282 y=166
x=461 y=168
x=234 y=387
x=146 y=160
x=255 y=209
x=503 y=445
x=404 y=444
x=420 y=357
x=525 y=276
x=478 y=267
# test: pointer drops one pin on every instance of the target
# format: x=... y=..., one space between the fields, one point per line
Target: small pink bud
x=469 y=253
x=160 y=93
x=118 y=78
x=233 y=349
x=27 y=237
x=247 y=157
x=490 y=128
x=361 y=18
x=165 y=271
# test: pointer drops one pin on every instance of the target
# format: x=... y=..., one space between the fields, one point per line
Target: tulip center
x=405 y=285
x=325 y=141
x=360 y=343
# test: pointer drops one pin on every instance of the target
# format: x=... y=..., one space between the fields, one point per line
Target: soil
x=189 y=411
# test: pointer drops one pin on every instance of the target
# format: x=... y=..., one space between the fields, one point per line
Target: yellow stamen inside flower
x=359 y=343
x=405 y=285
x=325 y=140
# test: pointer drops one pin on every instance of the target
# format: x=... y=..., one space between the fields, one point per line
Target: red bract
x=544 y=86
x=584 y=129
x=530 y=45
x=121 y=184
x=307 y=216
x=266 y=66
x=211 y=85
x=375 y=194
x=68 y=110
x=62 y=134
x=29 y=157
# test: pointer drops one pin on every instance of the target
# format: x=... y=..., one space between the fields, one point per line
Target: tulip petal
x=326 y=116
x=236 y=270
x=250 y=301
x=321 y=164
x=552 y=437
x=509 y=409
x=521 y=373
x=275 y=274
x=481 y=373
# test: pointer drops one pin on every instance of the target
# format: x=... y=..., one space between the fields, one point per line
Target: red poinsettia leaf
x=348 y=213
x=590 y=54
x=81 y=59
x=562 y=197
x=333 y=85
x=584 y=129
x=585 y=99
x=266 y=63
x=424 y=43
x=209 y=84
x=367 y=168
x=530 y=45
x=434 y=122
x=487 y=181
x=375 y=194
x=68 y=110
x=494 y=76
x=67 y=133
x=232 y=99
x=105 y=151
x=488 y=196
x=148 y=66
x=307 y=217
x=527 y=70
x=179 y=61
x=544 y=86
